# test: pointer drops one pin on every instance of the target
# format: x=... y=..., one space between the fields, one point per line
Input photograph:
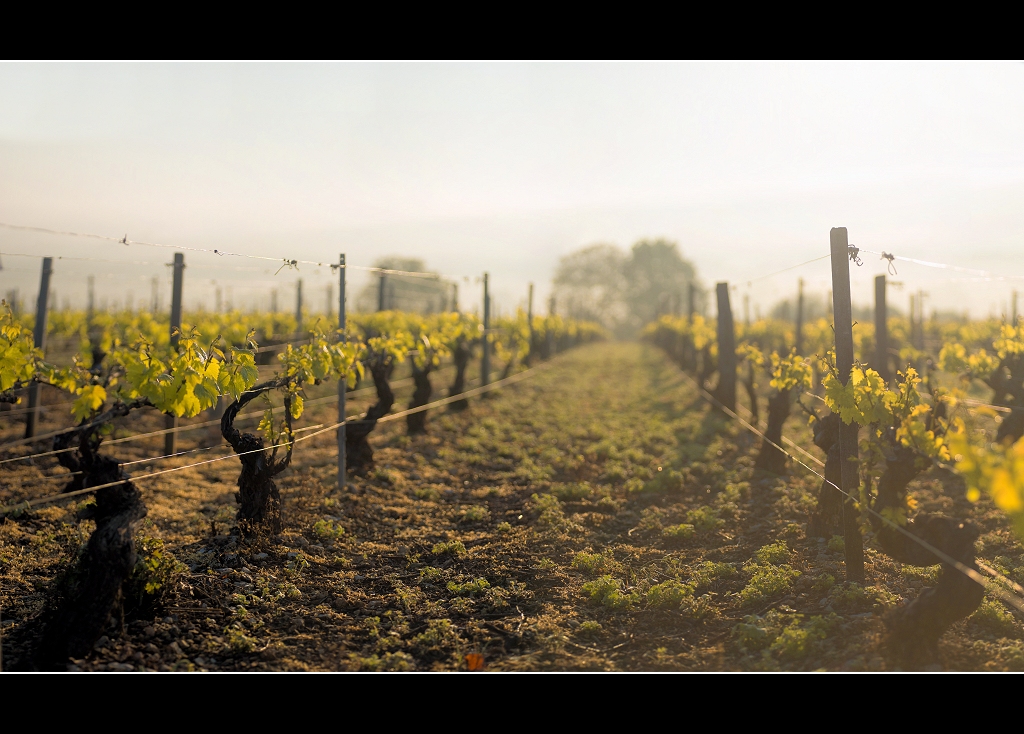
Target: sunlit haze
x=506 y=167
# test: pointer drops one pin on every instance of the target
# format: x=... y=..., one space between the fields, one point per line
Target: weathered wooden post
x=746 y=310
x=39 y=338
x=529 y=321
x=1014 y=308
x=380 y=290
x=881 y=330
x=171 y=421
x=273 y=300
x=91 y=307
x=298 y=306
x=455 y=297
x=798 y=340
x=343 y=382
x=689 y=300
x=549 y=341
x=842 y=307
x=726 y=390
x=485 y=352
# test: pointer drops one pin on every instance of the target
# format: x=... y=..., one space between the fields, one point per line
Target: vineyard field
x=599 y=516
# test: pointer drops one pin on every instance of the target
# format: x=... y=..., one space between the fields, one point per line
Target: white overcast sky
x=506 y=167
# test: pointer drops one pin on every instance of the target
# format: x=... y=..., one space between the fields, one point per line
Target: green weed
x=704 y=519
x=152 y=578
x=678 y=532
x=239 y=642
x=774 y=554
x=572 y=492
x=607 y=591
x=995 y=618
x=707 y=573
x=767 y=581
x=439 y=633
x=593 y=563
x=668 y=594
x=549 y=510
x=469 y=588
x=328 y=531
x=475 y=513
x=453 y=548
x=836 y=544
x=824 y=582
x=391 y=661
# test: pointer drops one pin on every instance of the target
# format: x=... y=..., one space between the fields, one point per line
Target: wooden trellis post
x=170 y=421
x=343 y=383
x=529 y=322
x=798 y=340
x=881 y=330
x=726 y=390
x=485 y=354
x=842 y=308
x=39 y=338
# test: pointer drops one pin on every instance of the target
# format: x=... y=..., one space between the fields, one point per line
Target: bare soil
x=596 y=516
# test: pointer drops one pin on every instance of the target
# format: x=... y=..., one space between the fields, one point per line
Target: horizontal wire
x=386 y=419
x=941 y=266
x=404 y=382
x=791 y=267
x=1002 y=595
x=286 y=260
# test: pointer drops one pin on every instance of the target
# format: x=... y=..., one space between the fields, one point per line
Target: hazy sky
x=506 y=167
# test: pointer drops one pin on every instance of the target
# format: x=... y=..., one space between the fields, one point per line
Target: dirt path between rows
x=596 y=516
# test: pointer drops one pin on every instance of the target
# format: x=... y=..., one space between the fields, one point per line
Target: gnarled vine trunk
x=827 y=519
x=259 y=502
x=914 y=629
x=90 y=593
x=748 y=384
x=707 y=366
x=460 y=356
x=770 y=458
x=417 y=422
x=357 y=445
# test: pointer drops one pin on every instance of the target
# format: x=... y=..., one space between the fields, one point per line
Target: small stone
x=173 y=647
x=120 y=667
x=318 y=549
x=403 y=550
x=301 y=542
x=149 y=631
x=151 y=649
x=138 y=657
x=101 y=643
x=168 y=620
x=260 y=557
x=292 y=555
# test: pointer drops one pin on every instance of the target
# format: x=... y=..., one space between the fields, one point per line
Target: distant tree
x=589 y=285
x=429 y=293
x=625 y=292
x=657 y=279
